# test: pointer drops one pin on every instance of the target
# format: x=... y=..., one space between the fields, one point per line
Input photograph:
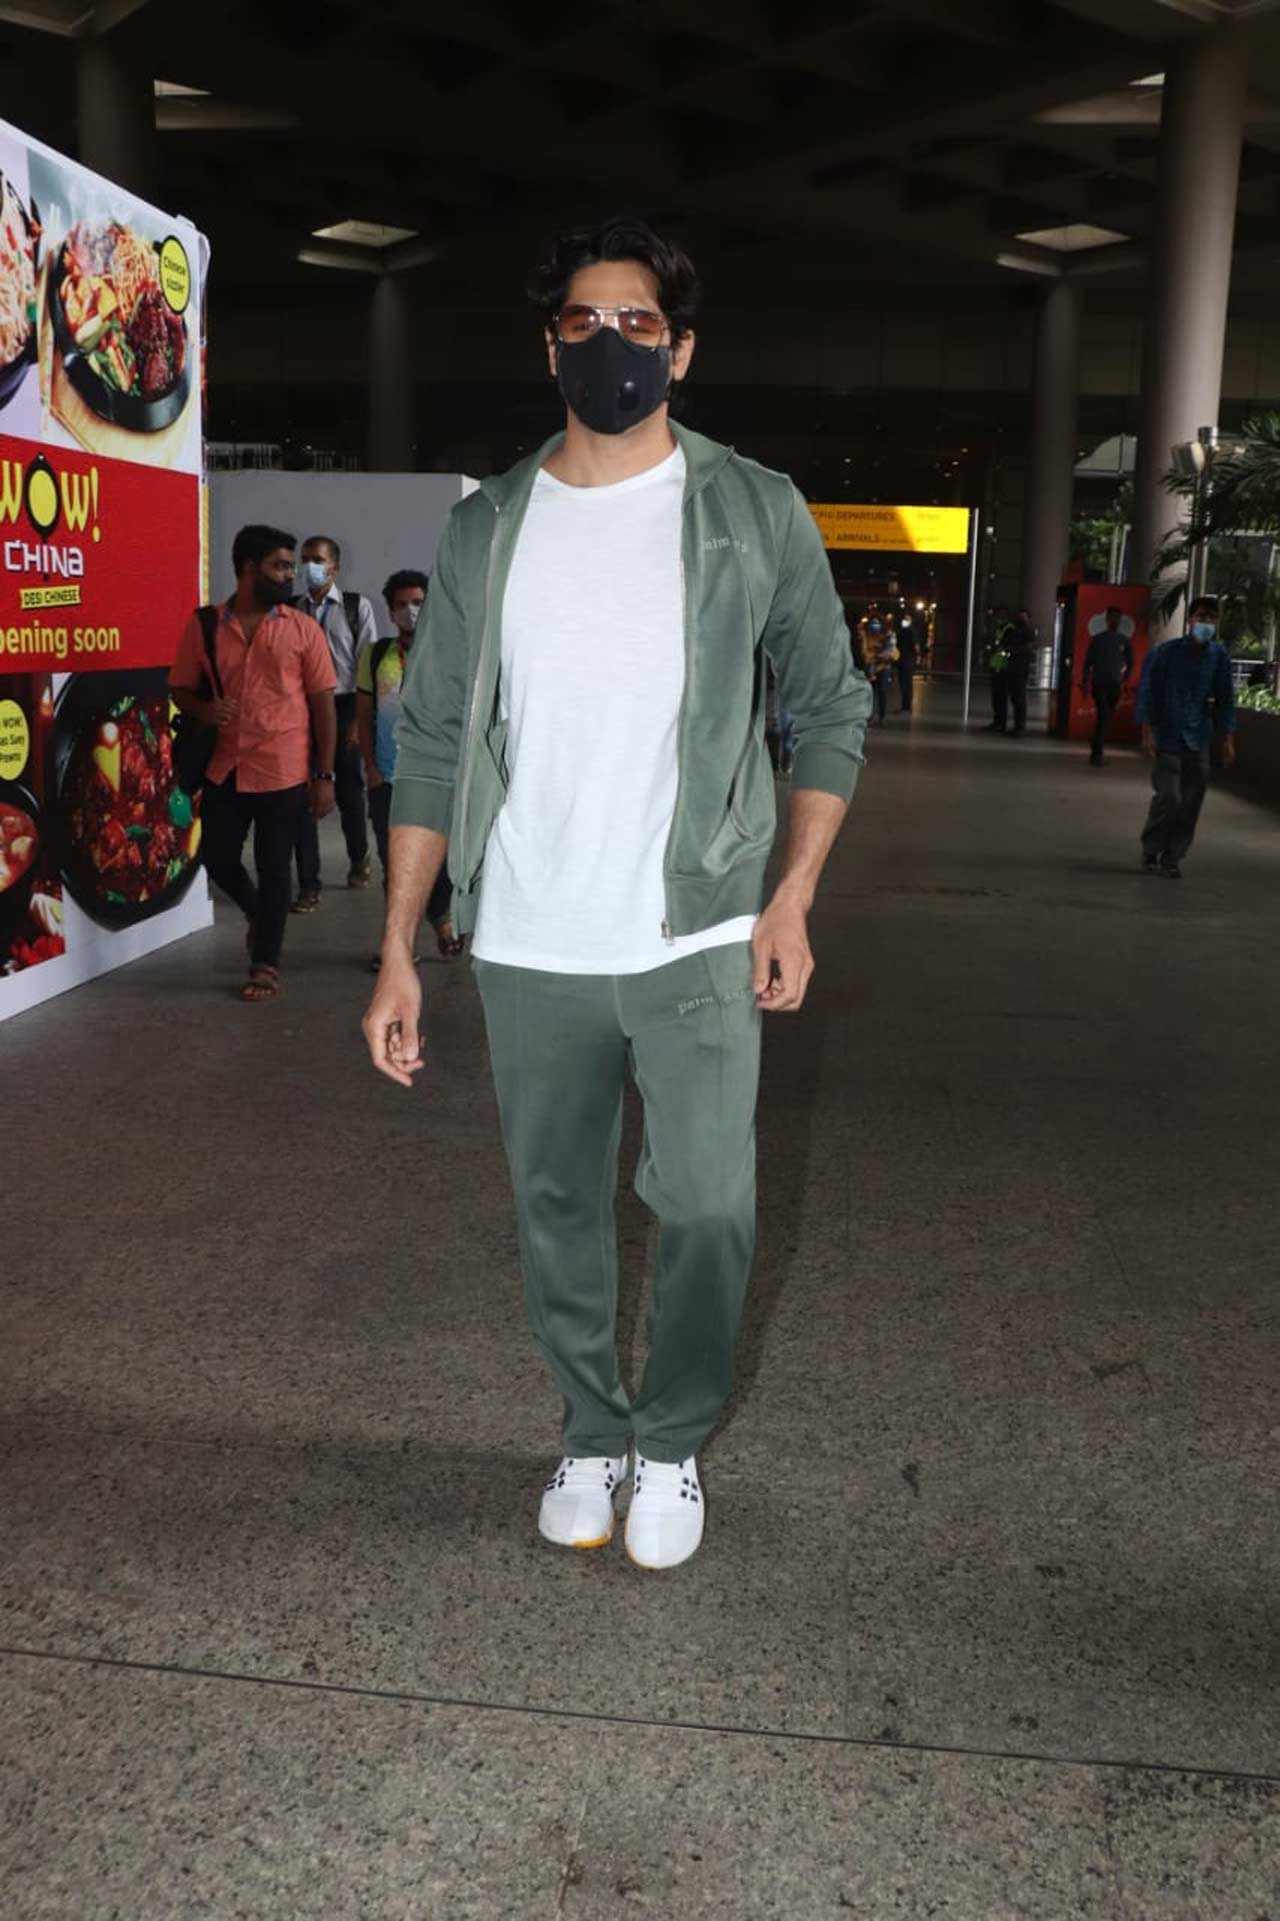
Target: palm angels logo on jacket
x=724 y=540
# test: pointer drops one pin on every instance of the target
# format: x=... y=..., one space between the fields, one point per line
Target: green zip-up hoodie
x=756 y=580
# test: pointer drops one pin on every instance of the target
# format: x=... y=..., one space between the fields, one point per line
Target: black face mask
x=271 y=593
x=610 y=384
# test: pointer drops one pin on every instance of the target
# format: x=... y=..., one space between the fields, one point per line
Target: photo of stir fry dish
x=17 y=286
x=133 y=833
x=114 y=314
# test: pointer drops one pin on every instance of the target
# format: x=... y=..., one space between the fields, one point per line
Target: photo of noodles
x=18 y=239
x=117 y=318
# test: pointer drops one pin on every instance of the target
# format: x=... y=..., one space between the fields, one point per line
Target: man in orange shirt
x=277 y=737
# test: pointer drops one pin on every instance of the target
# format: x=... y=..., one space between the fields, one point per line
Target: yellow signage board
x=916 y=530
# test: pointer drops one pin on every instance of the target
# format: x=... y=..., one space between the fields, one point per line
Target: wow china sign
x=101 y=450
x=99 y=561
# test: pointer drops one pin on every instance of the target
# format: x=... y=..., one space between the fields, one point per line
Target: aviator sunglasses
x=639 y=325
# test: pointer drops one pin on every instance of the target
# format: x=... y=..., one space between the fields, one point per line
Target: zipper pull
x=667 y=934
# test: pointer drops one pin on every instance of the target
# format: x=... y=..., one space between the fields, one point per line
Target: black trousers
x=348 y=786
x=226 y=817
x=1106 y=698
x=1178 y=783
x=906 y=676
x=1018 y=678
x=1000 y=697
x=880 y=688
x=380 y=815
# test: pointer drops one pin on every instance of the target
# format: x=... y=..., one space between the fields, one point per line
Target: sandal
x=449 y=943
x=263 y=984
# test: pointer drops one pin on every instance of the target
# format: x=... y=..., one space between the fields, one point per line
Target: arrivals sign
x=101 y=461
x=898 y=530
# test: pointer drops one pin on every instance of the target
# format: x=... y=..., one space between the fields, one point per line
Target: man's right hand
x=391 y=1026
x=372 y=777
x=1149 y=742
x=221 y=712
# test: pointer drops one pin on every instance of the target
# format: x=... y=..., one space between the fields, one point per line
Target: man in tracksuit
x=583 y=734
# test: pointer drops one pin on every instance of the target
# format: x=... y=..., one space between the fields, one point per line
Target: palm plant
x=1244 y=498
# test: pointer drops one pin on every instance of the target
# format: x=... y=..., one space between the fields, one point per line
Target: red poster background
x=139 y=547
x=1091 y=603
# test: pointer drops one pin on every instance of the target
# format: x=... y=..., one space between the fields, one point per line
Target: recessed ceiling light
x=1149 y=80
x=364 y=233
x=1074 y=239
x=171 y=90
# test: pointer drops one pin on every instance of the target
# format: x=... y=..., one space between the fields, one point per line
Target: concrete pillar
x=116 y=110
x=1190 y=272
x=1051 y=460
x=391 y=385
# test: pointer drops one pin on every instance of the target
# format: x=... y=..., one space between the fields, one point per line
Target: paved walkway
x=984 y=1624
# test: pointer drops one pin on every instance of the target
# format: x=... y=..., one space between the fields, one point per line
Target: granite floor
x=985 y=1622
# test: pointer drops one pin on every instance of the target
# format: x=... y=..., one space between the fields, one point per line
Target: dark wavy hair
x=406 y=577
x=621 y=238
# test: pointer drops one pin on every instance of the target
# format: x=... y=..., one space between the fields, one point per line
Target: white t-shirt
x=593 y=672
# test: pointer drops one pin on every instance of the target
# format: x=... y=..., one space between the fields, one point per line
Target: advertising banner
x=899 y=530
x=101 y=454
x=1085 y=608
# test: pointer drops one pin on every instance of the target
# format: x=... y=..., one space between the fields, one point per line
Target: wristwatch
x=318 y=776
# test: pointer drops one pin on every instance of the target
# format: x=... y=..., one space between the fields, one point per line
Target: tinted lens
x=641 y=326
x=577 y=323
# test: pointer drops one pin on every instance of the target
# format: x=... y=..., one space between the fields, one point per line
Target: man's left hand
x=783 y=957
x=322 y=798
x=1228 y=750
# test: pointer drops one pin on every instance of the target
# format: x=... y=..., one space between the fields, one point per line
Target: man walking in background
x=349 y=627
x=379 y=680
x=1020 y=640
x=271 y=701
x=582 y=729
x=1185 y=697
x=998 y=669
x=1107 y=667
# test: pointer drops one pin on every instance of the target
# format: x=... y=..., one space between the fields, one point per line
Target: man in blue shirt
x=1186 y=696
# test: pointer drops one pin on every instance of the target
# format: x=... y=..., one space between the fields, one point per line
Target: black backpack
x=194 y=740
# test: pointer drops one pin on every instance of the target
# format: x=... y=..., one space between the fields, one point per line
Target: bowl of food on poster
x=128 y=832
x=19 y=267
x=118 y=305
x=21 y=848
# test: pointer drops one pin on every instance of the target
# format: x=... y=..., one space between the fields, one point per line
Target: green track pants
x=561 y=1046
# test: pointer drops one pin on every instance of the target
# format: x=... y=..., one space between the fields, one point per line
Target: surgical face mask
x=315 y=573
x=406 y=618
x=609 y=383
x=874 y=628
x=1203 y=630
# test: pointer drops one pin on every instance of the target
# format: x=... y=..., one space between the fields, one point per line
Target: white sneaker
x=664 y=1522
x=577 y=1502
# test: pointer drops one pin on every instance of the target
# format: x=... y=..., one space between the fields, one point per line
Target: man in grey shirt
x=1107 y=667
x=349 y=627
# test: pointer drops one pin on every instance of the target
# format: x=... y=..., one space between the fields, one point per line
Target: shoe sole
x=578 y=1546
x=660 y=1567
